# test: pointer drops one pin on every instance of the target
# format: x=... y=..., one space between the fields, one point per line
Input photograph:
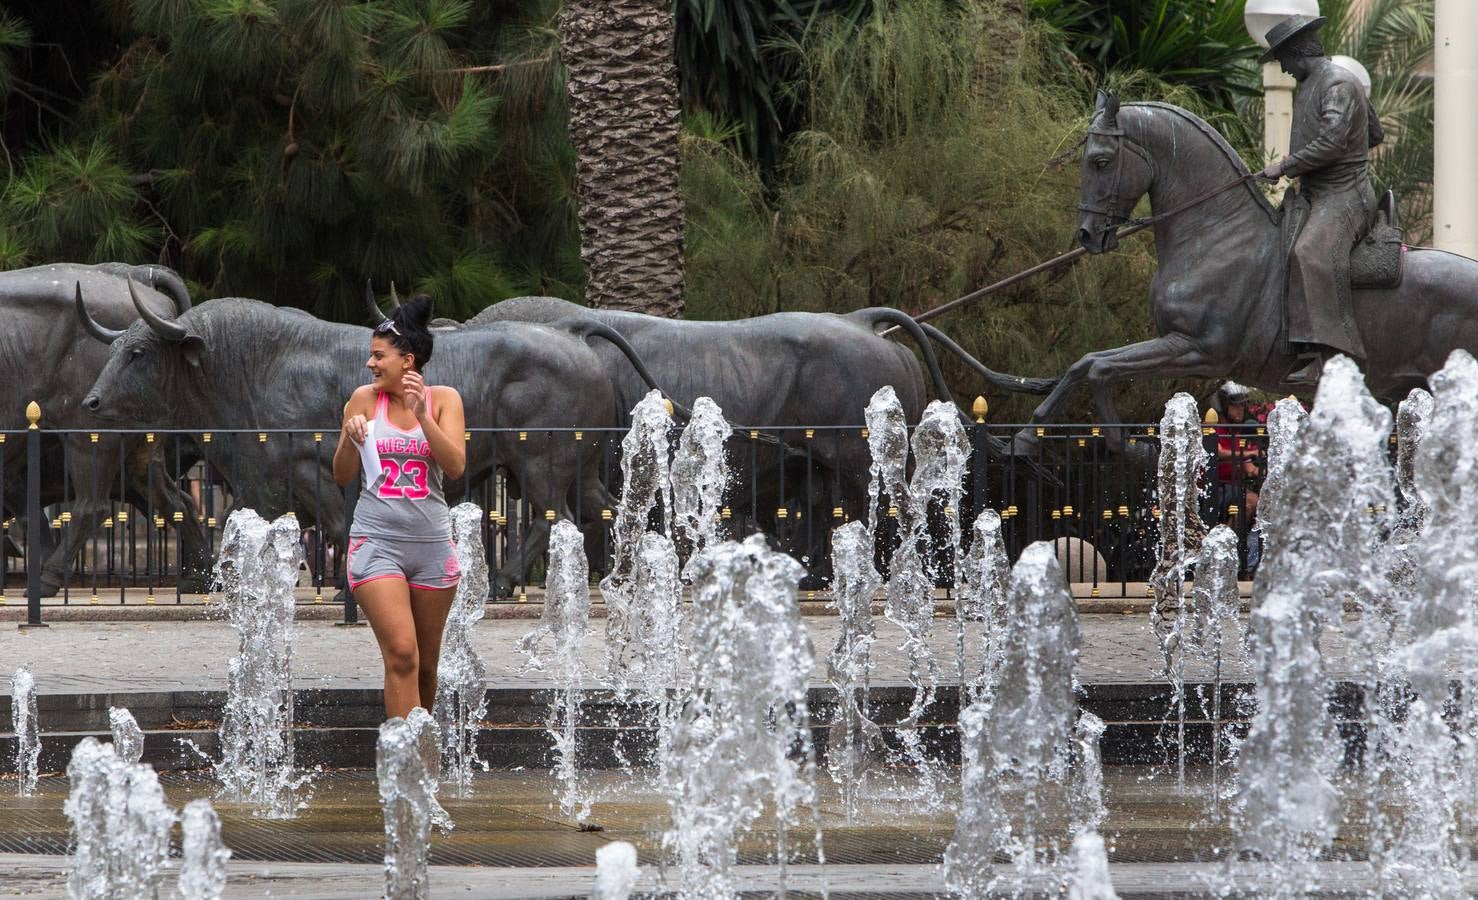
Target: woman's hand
x=356 y=427
x=415 y=393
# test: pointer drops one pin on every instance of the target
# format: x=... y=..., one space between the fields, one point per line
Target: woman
x=402 y=565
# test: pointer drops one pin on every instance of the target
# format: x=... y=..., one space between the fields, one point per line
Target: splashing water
x=643 y=634
x=128 y=737
x=258 y=567
x=1335 y=478
x=27 y=729
x=855 y=742
x=910 y=602
x=700 y=475
x=741 y=741
x=1090 y=879
x=1026 y=739
x=941 y=450
x=120 y=825
x=1413 y=417
x=1273 y=513
x=1429 y=764
x=565 y=620
x=461 y=677
x=646 y=485
x=982 y=828
x=1182 y=461
x=642 y=592
x=616 y=871
x=981 y=600
x=202 y=854
x=1215 y=604
x=643 y=661
x=408 y=763
x=1086 y=790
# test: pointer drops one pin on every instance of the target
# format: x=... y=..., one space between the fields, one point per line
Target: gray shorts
x=427 y=565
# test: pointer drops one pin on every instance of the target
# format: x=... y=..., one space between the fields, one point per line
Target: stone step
x=338 y=727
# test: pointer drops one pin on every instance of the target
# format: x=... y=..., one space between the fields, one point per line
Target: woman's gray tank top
x=406 y=501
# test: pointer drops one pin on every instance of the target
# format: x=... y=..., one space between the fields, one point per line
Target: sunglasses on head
x=387 y=326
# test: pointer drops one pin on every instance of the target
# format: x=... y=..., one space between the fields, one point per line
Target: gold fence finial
x=979 y=408
x=667 y=405
x=33 y=413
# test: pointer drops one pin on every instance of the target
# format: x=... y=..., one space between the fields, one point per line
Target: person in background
x=1238 y=462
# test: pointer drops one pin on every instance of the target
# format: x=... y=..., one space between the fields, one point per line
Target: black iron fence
x=135 y=516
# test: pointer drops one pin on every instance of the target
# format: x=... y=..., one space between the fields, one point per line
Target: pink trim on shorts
x=427 y=587
x=354 y=585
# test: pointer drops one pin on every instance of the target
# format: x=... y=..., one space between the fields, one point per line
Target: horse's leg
x=1103 y=367
x=1171 y=356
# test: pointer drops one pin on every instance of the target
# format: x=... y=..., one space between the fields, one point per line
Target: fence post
x=33 y=518
x=978 y=462
x=351 y=500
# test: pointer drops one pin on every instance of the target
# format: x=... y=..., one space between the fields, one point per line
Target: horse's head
x=1116 y=173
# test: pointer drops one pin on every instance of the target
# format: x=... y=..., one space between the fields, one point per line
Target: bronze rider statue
x=1334 y=128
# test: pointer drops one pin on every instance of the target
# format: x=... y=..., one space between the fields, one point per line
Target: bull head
x=160 y=278
x=193 y=346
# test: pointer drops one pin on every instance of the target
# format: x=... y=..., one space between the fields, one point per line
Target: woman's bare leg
x=387 y=604
x=429 y=609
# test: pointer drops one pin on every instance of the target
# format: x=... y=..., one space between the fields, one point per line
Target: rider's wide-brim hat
x=1287 y=30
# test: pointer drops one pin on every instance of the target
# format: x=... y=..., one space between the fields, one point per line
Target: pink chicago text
x=409 y=446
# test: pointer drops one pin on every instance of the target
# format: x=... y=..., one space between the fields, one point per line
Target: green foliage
x=733 y=63
x=922 y=174
x=15 y=35
x=1202 y=45
x=78 y=203
x=288 y=150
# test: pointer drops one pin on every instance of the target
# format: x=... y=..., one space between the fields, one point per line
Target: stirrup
x=1307 y=375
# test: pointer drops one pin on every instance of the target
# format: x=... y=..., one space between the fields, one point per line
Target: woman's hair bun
x=414 y=314
x=413 y=319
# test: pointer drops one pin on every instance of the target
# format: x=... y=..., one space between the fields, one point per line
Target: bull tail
x=999 y=380
x=584 y=327
x=921 y=334
x=883 y=315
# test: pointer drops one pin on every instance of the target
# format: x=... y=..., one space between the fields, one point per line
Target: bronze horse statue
x=1217 y=296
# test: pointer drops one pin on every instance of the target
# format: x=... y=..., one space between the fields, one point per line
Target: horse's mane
x=1219 y=142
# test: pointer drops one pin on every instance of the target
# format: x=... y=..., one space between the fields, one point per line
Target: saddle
x=1376 y=259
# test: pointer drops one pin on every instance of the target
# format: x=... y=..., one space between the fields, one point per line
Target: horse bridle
x=1113 y=218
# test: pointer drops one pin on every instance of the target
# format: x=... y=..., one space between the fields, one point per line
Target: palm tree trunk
x=624 y=128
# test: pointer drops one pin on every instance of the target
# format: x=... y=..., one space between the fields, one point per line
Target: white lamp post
x=1352 y=64
x=1455 y=138
x=1277 y=88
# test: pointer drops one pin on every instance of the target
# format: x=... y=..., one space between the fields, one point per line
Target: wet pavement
x=84 y=657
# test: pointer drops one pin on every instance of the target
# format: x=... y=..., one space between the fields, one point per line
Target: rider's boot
x=1308 y=374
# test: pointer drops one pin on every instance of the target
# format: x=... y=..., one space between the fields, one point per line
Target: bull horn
x=170 y=331
x=377 y=315
x=394 y=300
x=167 y=281
x=102 y=333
